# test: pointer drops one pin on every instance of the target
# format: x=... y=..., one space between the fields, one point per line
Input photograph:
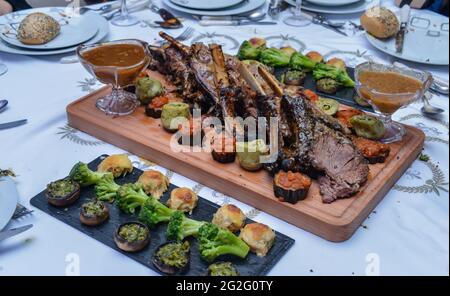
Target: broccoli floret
x=106 y=189
x=181 y=227
x=327 y=71
x=83 y=175
x=274 y=57
x=250 y=51
x=215 y=241
x=301 y=62
x=131 y=197
x=154 y=212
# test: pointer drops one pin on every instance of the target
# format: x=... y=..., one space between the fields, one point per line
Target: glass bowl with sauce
x=117 y=63
x=389 y=88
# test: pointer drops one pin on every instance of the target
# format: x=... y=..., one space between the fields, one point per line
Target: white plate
x=97 y=21
x=425 y=41
x=206 y=4
x=332 y=2
x=74 y=30
x=357 y=7
x=242 y=8
x=8 y=200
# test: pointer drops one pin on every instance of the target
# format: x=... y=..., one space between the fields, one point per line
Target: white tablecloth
x=407 y=234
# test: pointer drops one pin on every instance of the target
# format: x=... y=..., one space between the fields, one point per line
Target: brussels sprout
x=300 y=62
x=147 y=89
x=248 y=51
x=368 y=127
x=274 y=57
x=327 y=85
x=328 y=106
x=294 y=77
x=288 y=50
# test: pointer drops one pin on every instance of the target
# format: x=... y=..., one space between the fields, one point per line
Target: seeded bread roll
x=380 y=22
x=38 y=28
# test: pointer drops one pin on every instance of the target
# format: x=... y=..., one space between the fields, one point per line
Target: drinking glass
x=297 y=20
x=124 y=19
x=386 y=104
x=119 y=102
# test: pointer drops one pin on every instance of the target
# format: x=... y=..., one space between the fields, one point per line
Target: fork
x=21 y=211
x=185 y=35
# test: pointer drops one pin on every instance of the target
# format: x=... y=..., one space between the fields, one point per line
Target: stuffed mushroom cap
x=229 y=217
x=153 y=183
x=259 y=237
x=183 y=200
x=118 y=165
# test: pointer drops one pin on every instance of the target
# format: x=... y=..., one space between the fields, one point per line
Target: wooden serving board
x=144 y=136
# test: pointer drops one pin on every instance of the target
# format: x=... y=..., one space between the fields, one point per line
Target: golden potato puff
x=229 y=217
x=183 y=200
x=259 y=237
x=118 y=165
x=154 y=183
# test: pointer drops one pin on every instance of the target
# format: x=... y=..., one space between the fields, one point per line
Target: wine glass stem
x=298 y=8
x=124 y=9
x=386 y=119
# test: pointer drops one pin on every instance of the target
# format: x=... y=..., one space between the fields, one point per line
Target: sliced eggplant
x=93 y=213
x=62 y=193
x=291 y=187
x=172 y=258
x=132 y=236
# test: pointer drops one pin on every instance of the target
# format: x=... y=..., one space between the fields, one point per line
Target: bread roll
x=380 y=22
x=38 y=28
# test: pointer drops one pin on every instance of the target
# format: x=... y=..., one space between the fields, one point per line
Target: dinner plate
x=8 y=200
x=97 y=21
x=332 y=2
x=356 y=7
x=241 y=8
x=426 y=42
x=206 y=5
x=74 y=30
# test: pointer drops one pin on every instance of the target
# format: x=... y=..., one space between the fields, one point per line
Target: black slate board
x=251 y=266
x=344 y=96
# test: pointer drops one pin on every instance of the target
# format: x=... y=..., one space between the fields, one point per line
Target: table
x=407 y=234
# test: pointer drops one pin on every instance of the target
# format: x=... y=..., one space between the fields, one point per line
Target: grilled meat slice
x=344 y=167
x=202 y=64
x=373 y=151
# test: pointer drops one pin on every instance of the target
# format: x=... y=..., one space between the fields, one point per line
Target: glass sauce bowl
x=117 y=63
x=386 y=104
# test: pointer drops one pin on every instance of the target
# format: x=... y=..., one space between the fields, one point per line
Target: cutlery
x=3 y=104
x=255 y=17
x=234 y=23
x=12 y=124
x=20 y=212
x=185 y=35
x=15 y=231
x=132 y=7
x=429 y=109
x=102 y=9
x=440 y=86
x=400 y=37
x=170 y=21
x=322 y=21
